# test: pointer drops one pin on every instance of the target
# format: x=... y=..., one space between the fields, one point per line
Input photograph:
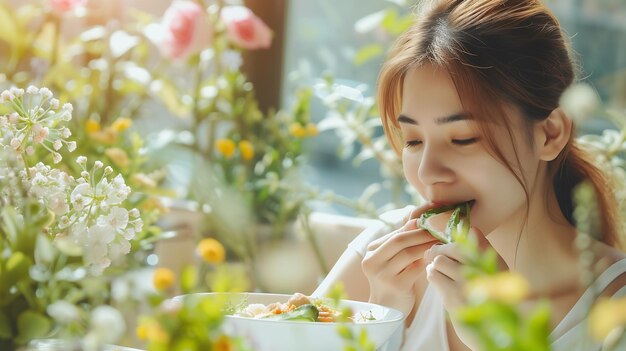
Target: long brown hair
x=499 y=53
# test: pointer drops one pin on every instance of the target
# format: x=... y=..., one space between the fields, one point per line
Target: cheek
x=500 y=195
x=410 y=166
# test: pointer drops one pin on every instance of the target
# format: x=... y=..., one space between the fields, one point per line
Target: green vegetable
x=306 y=313
x=458 y=225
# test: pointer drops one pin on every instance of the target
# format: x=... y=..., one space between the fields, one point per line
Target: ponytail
x=571 y=168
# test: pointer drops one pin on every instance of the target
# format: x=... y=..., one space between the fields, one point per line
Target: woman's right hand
x=394 y=263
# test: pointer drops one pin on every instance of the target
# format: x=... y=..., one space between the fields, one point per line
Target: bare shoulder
x=609 y=257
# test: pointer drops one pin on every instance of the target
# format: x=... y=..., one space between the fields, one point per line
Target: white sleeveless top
x=428 y=329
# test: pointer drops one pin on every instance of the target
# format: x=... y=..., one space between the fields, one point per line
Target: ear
x=552 y=134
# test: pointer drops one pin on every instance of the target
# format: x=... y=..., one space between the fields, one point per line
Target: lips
x=443 y=203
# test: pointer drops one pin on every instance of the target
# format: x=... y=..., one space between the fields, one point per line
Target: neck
x=540 y=248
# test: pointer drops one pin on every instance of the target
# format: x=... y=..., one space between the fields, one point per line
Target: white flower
x=63 y=312
x=101 y=234
x=16 y=143
x=117 y=219
x=81 y=160
x=14 y=118
x=81 y=196
x=57 y=144
x=65 y=133
x=6 y=96
x=56 y=157
x=45 y=92
x=71 y=146
x=107 y=325
x=119 y=249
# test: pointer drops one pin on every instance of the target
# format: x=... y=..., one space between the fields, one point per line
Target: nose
x=434 y=167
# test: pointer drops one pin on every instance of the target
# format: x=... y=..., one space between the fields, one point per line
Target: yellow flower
x=150 y=330
x=154 y=204
x=226 y=147
x=507 y=287
x=163 y=278
x=92 y=126
x=606 y=315
x=107 y=136
x=142 y=332
x=297 y=130
x=211 y=250
x=118 y=156
x=311 y=130
x=121 y=124
x=247 y=150
x=223 y=343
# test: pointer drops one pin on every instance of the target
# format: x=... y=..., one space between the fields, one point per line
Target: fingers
x=408 y=226
x=402 y=240
x=407 y=258
x=451 y=250
x=448 y=267
x=450 y=290
x=411 y=223
x=417 y=212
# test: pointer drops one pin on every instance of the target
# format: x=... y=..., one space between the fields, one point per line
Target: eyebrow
x=440 y=120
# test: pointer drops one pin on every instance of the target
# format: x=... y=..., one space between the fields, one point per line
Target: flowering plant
x=241 y=162
x=88 y=54
x=58 y=233
x=192 y=323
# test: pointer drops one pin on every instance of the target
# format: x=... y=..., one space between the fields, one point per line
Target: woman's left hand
x=444 y=269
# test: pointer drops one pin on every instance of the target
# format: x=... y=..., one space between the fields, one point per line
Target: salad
x=299 y=307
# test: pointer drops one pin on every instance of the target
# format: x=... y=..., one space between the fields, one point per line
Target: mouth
x=440 y=204
x=448 y=222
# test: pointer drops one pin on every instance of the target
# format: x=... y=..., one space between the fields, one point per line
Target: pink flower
x=245 y=29
x=185 y=30
x=62 y=6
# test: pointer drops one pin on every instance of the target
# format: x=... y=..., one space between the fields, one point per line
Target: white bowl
x=278 y=335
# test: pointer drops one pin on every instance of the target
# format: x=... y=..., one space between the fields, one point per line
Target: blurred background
x=346 y=40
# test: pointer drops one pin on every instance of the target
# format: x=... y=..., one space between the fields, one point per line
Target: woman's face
x=445 y=159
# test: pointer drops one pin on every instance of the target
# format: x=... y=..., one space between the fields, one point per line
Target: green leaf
x=364 y=341
x=188 y=279
x=169 y=93
x=16 y=269
x=44 y=250
x=367 y=52
x=10 y=223
x=32 y=325
x=6 y=332
x=344 y=332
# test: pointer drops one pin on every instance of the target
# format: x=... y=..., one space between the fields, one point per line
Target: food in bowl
x=381 y=324
x=299 y=307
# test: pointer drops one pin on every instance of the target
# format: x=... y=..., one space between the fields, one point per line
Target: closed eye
x=413 y=143
x=465 y=141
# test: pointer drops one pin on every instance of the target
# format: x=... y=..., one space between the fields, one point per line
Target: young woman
x=469 y=97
